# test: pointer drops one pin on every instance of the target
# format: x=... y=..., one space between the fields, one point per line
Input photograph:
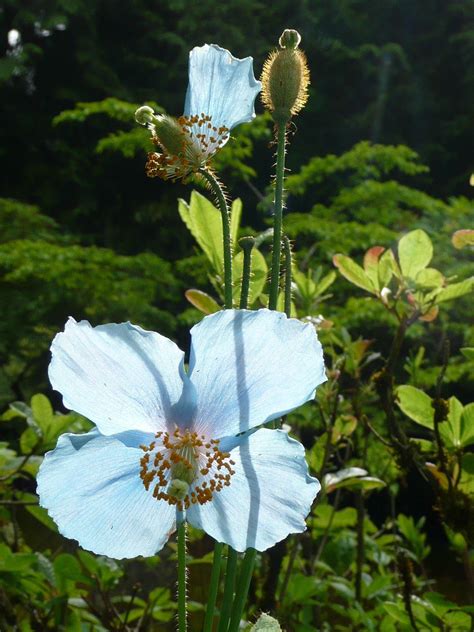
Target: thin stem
x=287 y=247
x=360 y=543
x=216 y=188
x=229 y=587
x=278 y=219
x=182 y=621
x=289 y=570
x=214 y=587
x=242 y=589
x=247 y=243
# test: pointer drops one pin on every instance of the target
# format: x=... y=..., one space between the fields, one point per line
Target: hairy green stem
x=214 y=587
x=216 y=188
x=287 y=247
x=229 y=588
x=247 y=244
x=243 y=586
x=182 y=619
x=278 y=218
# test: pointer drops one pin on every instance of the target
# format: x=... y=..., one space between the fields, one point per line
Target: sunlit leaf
x=416 y=404
x=354 y=273
x=202 y=301
x=415 y=251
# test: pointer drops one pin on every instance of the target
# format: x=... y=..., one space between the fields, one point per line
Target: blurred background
x=384 y=145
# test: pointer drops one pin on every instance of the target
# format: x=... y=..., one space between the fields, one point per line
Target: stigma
x=185 y=145
x=184 y=468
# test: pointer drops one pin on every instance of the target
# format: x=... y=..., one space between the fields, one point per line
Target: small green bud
x=178 y=489
x=145 y=115
x=289 y=39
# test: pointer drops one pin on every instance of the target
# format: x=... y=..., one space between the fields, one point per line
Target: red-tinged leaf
x=430 y=314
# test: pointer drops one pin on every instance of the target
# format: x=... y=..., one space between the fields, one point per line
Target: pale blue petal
x=91 y=487
x=268 y=498
x=221 y=86
x=119 y=376
x=249 y=367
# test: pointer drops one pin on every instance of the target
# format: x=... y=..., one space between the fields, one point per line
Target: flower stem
x=278 y=219
x=247 y=243
x=229 y=587
x=287 y=246
x=242 y=589
x=213 y=588
x=216 y=188
x=182 y=621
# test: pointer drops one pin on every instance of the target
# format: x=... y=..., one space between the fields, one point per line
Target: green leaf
x=325 y=516
x=429 y=278
x=266 y=623
x=43 y=413
x=416 y=404
x=66 y=566
x=354 y=273
x=315 y=456
x=451 y=429
x=29 y=440
x=455 y=290
x=202 y=301
x=468 y=352
x=204 y=222
x=344 y=427
x=387 y=268
x=415 y=251
x=467 y=426
x=258 y=277
x=42 y=516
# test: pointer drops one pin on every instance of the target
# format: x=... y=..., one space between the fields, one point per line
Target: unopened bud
x=385 y=294
x=145 y=115
x=169 y=133
x=285 y=79
x=289 y=39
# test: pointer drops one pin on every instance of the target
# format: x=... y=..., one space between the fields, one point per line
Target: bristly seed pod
x=285 y=78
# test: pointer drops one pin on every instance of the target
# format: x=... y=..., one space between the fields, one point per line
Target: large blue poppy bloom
x=171 y=443
x=221 y=94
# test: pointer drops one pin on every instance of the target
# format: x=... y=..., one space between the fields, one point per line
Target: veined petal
x=249 y=367
x=221 y=86
x=91 y=487
x=269 y=496
x=119 y=376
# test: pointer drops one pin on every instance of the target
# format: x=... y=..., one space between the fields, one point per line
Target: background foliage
x=383 y=150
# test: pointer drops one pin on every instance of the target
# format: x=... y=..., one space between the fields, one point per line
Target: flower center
x=185 y=468
x=195 y=141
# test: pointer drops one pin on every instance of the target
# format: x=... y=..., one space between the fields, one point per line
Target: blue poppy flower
x=221 y=94
x=171 y=443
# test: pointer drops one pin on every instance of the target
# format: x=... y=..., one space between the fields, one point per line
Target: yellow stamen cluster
x=196 y=140
x=184 y=468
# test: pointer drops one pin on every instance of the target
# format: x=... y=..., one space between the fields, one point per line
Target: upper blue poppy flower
x=221 y=94
x=171 y=442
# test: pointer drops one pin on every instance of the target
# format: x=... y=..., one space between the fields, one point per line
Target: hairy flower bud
x=285 y=78
x=145 y=115
x=169 y=134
